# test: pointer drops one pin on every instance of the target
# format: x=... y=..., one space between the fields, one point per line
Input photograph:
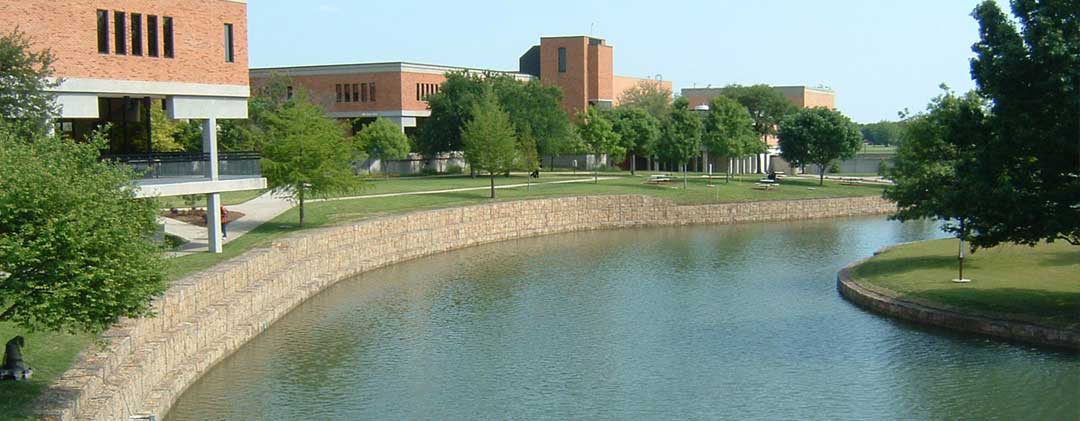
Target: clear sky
x=880 y=56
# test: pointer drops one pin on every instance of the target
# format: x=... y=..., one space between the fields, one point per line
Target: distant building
x=119 y=58
x=579 y=65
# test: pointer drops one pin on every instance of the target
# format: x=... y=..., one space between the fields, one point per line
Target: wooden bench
x=850 y=181
x=659 y=179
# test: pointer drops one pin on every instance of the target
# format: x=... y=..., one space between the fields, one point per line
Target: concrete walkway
x=262 y=209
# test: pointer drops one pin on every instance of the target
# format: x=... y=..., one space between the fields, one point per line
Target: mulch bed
x=197 y=216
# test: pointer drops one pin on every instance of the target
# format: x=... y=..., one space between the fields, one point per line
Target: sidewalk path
x=266 y=207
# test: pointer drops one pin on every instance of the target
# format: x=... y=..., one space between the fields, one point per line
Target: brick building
x=581 y=66
x=119 y=58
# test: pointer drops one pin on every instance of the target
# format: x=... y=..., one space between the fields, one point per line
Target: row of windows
x=356 y=92
x=424 y=90
x=120 y=34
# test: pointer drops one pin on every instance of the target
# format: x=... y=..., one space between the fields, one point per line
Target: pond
x=700 y=322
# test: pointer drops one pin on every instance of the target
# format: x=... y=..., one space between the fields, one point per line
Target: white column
x=213 y=200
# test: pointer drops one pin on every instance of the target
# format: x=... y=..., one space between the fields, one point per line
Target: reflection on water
x=699 y=322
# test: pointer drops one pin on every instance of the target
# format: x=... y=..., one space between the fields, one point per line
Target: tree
x=681 y=139
x=883 y=133
x=25 y=79
x=1028 y=173
x=729 y=130
x=536 y=113
x=163 y=132
x=767 y=106
x=253 y=134
x=384 y=140
x=818 y=136
x=638 y=130
x=488 y=138
x=307 y=153
x=649 y=95
x=76 y=248
x=451 y=108
x=598 y=136
x=935 y=162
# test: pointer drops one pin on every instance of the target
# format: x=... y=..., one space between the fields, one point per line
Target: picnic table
x=850 y=181
x=659 y=178
x=767 y=184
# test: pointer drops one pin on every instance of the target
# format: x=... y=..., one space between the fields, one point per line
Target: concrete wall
x=201 y=319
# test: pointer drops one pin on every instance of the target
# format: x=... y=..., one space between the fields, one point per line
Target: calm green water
x=726 y=322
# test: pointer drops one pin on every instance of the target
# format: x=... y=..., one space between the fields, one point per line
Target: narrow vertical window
x=167 y=36
x=355 y=93
x=363 y=92
x=562 y=60
x=151 y=36
x=120 y=32
x=136 y=34
x=371 y=94
x=103 y=31
x=417 y=91
x=338 y=89
x=288 y=92
x=230 y=56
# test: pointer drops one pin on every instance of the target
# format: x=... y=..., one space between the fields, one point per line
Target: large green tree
x=253 y=133
x=451 y=107
x=489 y=139
x=681 y=136
x=384 y=140
x=598 y=136
x=638 y=130
x=767 y=106
x=729 y=131
x=307 y=153
x=536 y=113
x=818 y=136
x=25 y=78
x=648 y=95
x=884 y=133
x=1028 y=172
x=76 y=246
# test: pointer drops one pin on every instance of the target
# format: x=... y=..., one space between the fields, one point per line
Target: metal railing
x=184 y=164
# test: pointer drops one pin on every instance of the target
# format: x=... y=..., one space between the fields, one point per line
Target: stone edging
x=148 y=363
x=1016 y=330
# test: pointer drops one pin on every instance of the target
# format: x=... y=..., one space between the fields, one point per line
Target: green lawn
x=227 y=198
x=333 y=212
x=1019 y=282
x=878 y=149
x=49 y=354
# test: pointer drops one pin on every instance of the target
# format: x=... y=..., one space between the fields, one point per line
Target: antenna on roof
x=591 y=25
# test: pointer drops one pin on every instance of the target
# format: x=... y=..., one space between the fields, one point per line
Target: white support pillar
x=213 y=200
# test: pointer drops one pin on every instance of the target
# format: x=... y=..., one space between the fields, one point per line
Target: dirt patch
x=197 y=216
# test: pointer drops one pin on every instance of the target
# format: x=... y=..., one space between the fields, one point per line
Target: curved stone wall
x=148 y=363
x=882 y=302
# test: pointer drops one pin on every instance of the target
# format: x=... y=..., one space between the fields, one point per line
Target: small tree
x=767 y=106
x=308 y=153
x=681 y=140
x=648 y=95
x=818 y=136
x=638 y=130
x=598 y=136
x=489 y=138
x=76 y=246
x=528 y=158
x=384 y=140
x=164 y=132
x=25 y=78
x=729 y=130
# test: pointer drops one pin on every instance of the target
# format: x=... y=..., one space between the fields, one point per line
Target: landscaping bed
x=196 y=216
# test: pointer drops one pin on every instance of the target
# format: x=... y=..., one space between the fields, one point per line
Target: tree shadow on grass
x=884 y=267
x=1056 y=308
x=1062 y=258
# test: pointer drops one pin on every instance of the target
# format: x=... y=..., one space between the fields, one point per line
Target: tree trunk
x=821 y=176
x=551 y=162
x=301 y=205
x=684 y=176
x=633 y=163
x=492 y=184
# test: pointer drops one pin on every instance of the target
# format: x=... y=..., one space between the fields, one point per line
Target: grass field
x=1017 y=282
x=49 y=354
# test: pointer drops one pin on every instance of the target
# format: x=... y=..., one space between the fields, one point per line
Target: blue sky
x=880 y=56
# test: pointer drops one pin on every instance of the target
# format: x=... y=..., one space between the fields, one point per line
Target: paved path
x=266 y=207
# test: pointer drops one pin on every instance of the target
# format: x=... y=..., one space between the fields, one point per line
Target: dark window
x=229 y=52
x=103 y=31
x=120 y=32
x=136 y=34
x=562 y=60
x=371 y=94
x=151 y=36
x=417 y=91
x=288 y=92
x=348 y=92
x=167 y=36
x=338 y=89
x=363 y=92
x=355 y=93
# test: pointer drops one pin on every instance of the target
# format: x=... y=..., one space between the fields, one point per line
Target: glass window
x=338 y=88
x=151 y=36
x=103 y=31
x=167 y=36
x=417 y=91
x=120 y=32
x=371 y=94
x=363 y=92
x=288 y=92
x=230 y=56
x=348 y=92
x=562 y=60
x=136 y=34
x=355 y=93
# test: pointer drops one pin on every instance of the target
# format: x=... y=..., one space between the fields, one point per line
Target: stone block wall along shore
x=148 y=363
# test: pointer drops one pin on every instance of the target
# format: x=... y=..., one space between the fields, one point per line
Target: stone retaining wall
x=148 y=363
x=889 y=305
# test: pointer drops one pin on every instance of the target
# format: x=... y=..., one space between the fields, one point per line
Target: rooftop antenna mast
x=591 y=25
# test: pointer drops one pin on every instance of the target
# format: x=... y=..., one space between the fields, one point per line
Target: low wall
x=884 y=303
x=148 y=363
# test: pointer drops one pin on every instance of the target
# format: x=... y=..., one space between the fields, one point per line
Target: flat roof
x=377 y=67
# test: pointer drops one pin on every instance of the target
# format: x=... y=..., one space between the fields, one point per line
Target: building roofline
x=376 y=67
